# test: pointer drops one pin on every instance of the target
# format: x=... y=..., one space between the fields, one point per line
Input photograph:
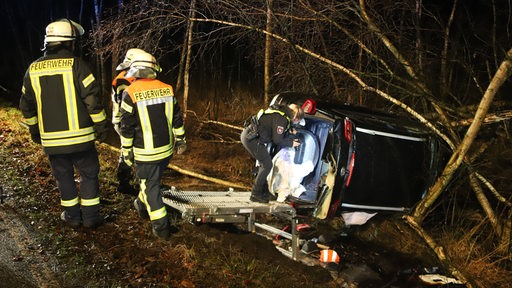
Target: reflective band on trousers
x=158 y=214
x=153 y=215
x=69 y=203
x=90 y=202
x=329 y=256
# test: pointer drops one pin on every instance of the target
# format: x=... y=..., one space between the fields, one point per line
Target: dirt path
x=22 y=262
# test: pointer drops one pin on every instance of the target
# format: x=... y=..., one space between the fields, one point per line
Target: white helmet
x=63 y=30
x=128 y=58
x=144 y=60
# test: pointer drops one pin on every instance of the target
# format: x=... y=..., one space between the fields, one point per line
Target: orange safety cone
x=329 y=256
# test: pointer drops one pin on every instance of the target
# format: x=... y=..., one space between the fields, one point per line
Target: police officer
x=60 y=104
x=119 y=83
x=274 y=128
x=151 y=129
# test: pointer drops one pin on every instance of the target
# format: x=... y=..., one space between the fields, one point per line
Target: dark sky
x=23 y=25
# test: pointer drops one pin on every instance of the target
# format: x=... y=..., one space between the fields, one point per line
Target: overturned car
x=352 y=158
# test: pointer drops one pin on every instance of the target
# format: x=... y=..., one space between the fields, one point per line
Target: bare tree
x=409 y=57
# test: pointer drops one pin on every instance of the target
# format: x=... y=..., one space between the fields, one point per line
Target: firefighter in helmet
x=119 y=83
x=60 y=104
x=151 y=130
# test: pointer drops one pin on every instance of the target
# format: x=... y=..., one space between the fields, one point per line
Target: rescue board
x=231 y=207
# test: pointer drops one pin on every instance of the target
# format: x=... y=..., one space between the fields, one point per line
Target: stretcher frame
x=233 y=207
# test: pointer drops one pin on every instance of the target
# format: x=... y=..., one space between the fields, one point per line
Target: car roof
x=360 y=116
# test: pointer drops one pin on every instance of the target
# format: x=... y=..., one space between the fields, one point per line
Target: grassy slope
x=123 y=252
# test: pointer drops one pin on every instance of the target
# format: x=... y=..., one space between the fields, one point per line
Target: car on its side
x=362 y=159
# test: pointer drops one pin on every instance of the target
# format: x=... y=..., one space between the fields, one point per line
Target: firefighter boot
x=73 y=222
x=161 y=228
x=258 y=197
x=91 y=217
x=141 y=209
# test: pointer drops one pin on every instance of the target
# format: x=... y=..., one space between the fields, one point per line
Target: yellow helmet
x=128 y=58
x=63 y=30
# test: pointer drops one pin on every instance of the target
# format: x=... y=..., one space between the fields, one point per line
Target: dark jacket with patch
x=274 y=126
x=60 y=101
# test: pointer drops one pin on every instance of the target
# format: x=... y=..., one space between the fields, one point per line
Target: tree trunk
x=188 y=57
x=268 y=50
x=502 y=74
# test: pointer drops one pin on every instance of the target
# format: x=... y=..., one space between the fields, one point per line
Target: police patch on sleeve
x=280 y=129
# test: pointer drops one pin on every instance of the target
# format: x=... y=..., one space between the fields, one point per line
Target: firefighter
x=60 y=104
x=273 y=128
x=151 y=130
x=120 y=82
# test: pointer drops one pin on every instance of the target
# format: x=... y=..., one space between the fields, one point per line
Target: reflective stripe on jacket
x=150 y=120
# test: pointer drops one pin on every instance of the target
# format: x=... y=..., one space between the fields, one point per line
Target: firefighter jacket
x=151 y=120
x=119 y=83
x=274 y=125
x=59 y=102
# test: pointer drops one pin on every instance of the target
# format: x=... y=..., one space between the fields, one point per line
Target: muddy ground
x=39 y=250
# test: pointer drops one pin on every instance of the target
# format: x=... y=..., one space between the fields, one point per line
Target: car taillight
x=309 y=107
x=348 y=130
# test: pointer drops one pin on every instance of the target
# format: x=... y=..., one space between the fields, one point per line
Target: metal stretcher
x=233 y=207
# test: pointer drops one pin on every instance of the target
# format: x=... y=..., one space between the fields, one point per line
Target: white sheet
x=357 y=218
x=285 y=177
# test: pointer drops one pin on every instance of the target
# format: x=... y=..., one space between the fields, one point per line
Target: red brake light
x=350 y=168
x=309 y=107
x=348 y=130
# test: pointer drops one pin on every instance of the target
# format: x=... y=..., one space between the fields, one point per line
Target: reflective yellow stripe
x=51 y=139
x=31 y=120
x=67 y=134
x=98 y=117
x=116 y=113
x=126 y=107
x=169 y=111
x=71 y=101
x=179 y=131
x=67 y=141
x=37 y=93
x=88 y=80
x=90 y=202
x=145 y=124
x=141 y=154
x=69 y=203
x=158 y=214
x=126 y=142
x=142 y=193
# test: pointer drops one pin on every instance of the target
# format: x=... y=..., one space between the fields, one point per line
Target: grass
x=124 y=254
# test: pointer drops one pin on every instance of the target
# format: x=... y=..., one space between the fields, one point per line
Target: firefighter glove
x=101 y=130
x=127 y=156
x=181 y=146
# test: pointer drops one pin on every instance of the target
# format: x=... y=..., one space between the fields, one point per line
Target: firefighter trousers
x=150 y=176
x=86 y=204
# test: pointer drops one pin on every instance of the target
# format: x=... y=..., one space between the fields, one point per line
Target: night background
x=430 y=61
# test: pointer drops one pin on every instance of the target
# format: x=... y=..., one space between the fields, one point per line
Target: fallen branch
x=489 y=119
x=198 y=175
x=438 y=250
x=207 y=178
x=223 y=124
